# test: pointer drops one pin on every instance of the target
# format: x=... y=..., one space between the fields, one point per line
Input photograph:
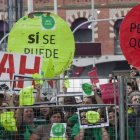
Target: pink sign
x=93 y=76
x=109 y=92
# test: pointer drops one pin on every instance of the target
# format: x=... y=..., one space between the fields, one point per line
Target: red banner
x=93 y=76
x=109 y=92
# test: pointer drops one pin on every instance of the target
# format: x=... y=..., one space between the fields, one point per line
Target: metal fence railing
x=27 y=114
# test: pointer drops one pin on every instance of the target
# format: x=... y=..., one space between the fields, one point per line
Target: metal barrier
x=74 y=116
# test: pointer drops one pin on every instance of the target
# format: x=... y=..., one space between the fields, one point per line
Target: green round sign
x=58 y=130
x=45 y=34
x=92 y=116
x=48 y=22
x=87 y=88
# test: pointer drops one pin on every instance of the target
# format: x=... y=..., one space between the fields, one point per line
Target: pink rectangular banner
x=109 y=92
x=93 y=76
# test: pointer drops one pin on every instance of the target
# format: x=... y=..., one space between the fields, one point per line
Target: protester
x=25 y=123
x=133 y=117
x=70 y=116
x=5 y=133
x=134 y=73
x=112 y=78
x=43 y=131
x=130 y=88
x=43 y=114
x=5 y=103
x=89 y=133
x=114 y=127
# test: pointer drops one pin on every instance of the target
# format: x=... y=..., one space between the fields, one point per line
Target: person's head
x=83 y=118
x=4 y=105
x=111 y=116
x=45 y=111
x=70 y=100
x=28 y=115
x=134 y=98
x=129 y=88
x=56 y=115
x=61 y=101
x=134 y=71
x=89 y=100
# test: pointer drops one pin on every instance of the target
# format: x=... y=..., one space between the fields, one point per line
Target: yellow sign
x=26 y=96
x=45 y=34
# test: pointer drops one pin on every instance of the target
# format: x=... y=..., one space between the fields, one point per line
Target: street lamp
x=94 y=20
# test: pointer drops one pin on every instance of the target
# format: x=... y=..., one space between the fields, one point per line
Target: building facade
x=106 y=15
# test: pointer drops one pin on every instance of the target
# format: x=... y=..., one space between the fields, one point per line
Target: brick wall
x=67 y=5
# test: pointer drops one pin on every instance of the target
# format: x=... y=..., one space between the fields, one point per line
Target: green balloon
x=87 y=88
x=58 y=130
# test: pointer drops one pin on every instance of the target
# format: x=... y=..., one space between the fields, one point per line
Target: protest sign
x=46 y=34
x=90 y=117
x=109 y=92
x=130 y=36
x=93 y=76
x=21 y=81
x=22 y=64
x=26 y=96
x=58 y=131
x=87 y=89
x=8 y=121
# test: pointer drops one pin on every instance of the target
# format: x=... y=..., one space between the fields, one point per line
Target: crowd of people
x=36 y=122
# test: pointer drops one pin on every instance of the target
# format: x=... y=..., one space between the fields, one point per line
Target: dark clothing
x=4 y=134
x=25 y=131
x=89 y=134
x=134 y=123
x=112 y=133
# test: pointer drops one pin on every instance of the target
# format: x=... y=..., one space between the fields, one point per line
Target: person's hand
x=38 y=87
x=110 y=75
x=94 y=88
x=67 y=115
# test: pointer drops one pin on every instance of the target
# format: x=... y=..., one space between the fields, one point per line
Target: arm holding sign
x=94 y=133
x=38 y=87
x=18 y=116
x=34 y=137
x=97 y=97
x=80 y=136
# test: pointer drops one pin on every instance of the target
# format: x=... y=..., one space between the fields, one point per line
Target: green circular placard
x=58 y=130
x=87 y=88
x=92 y=116
x=45 y=34
x=48 y=22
